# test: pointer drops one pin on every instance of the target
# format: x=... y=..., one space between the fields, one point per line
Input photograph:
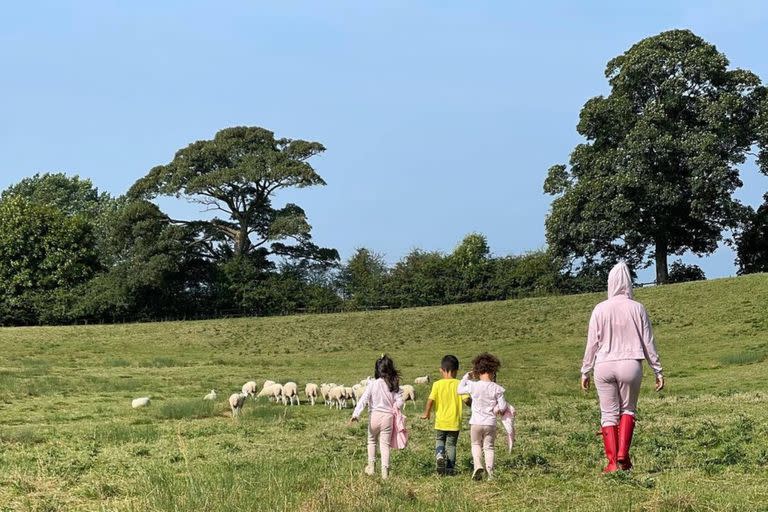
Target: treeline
x=70 y=254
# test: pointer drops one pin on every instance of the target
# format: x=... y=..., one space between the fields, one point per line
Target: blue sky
x=440 y=118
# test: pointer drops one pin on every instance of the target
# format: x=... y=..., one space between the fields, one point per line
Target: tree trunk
x=662 y=276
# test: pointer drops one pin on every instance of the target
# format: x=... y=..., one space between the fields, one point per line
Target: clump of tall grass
x=740 y=358
x=186 y=408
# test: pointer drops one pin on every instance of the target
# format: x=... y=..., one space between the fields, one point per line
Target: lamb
x=290 y=391
x=350 y=394
x=140 y=402
x=325 y=389
x=421 y=380
x=365 y=381
x=249 y=388
x=273 y=391
x=408 y=394
x=338 y=397
x=236 y=401
x=210 y=396
x=357 y=392
x=310 y=391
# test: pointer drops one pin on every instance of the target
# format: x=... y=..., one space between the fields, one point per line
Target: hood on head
x=620 y=281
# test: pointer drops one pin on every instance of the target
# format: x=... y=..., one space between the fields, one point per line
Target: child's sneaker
x=370 y=469
x=440 y=458
x=478 y=474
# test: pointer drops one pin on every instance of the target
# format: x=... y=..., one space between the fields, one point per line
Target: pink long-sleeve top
x=487 y=397
x=379 y=398
x=619 y=327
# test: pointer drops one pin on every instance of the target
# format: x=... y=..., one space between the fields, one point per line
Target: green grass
x=69 y=439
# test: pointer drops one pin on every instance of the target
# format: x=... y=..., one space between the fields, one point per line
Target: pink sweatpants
x=483 y=438
x=618 y=385
x=380 y=426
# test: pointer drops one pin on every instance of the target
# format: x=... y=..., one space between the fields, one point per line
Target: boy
x=448 y=406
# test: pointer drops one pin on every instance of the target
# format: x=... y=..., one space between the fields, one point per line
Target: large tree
x=238 y=173
x=657 y=173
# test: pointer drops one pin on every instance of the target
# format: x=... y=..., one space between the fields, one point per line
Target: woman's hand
x=659 y=382
x=585 y=382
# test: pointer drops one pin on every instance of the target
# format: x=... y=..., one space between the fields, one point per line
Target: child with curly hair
x=487 y=400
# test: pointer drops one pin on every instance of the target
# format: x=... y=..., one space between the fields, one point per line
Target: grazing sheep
x=210 y=396
x=421 y=380
x=290 y=391
x=338 y=397
x=365 y=381
x=325 y=389
x=357 y=392
x=350 y=394
x=272 y=391
x=311 y=391
x=140 y=402
x=249 y=388
x=267 y=383
x=408 y=394
x=236 y=401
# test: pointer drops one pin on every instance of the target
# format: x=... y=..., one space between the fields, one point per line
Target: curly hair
x=485 y=363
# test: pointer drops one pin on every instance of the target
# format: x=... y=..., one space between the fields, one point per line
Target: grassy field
x=69 y=439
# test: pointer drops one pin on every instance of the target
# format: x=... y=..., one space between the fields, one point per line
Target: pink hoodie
x=619 y=328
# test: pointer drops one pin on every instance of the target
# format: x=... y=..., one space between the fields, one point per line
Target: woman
x=619 y=338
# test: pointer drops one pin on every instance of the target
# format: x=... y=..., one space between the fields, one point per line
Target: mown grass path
x=70 y=441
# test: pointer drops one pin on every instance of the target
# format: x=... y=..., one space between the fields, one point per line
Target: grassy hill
x=69 y=439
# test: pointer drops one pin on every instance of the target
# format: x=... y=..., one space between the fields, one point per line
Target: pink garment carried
x=508 y=417
x=399 y=438
x=619 y=327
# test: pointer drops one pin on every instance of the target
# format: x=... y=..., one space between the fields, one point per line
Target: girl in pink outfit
x=619 y=338
x=382 y=396
x=487 y=399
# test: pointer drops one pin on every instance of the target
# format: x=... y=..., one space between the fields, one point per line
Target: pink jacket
x=619 y=327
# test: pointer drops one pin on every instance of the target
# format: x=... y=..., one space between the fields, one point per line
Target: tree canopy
x=237 y=174
x=660 y=165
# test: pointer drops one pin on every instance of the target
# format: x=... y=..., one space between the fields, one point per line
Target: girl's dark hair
x=485 y=363
x=385 y=369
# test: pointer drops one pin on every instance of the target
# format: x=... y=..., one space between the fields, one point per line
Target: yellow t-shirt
x=448 y=404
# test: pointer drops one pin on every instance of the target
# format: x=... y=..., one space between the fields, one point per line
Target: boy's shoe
x=440 y=458
x=478 y=474
x=370 y=469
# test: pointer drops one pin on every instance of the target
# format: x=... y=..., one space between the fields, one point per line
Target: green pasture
x=69 y=439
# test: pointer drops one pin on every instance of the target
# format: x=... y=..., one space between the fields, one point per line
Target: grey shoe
x=478 y=474
x=440 y=458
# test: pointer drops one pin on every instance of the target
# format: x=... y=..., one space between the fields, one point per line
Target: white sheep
x=210 y=396
x=408 y=393
x=421 y=380
x=249 y=388
x=365 y=381
x=357 y=391
x=350 y=394
x=236 y=401
x=140 y=402
x=338 y=397
x=290 y=391
x=325 y=390
x=311 y=392
x=273 y=391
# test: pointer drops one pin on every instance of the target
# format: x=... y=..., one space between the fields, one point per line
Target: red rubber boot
x=610 y=440
x=626 y=429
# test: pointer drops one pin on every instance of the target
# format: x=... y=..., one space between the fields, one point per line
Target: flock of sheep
x=333 y=395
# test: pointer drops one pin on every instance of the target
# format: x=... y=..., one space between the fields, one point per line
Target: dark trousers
x=445 y=443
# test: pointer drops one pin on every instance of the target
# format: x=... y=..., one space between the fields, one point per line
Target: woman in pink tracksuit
x=619 y=338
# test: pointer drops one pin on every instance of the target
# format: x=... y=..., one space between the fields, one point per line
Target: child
x=487 y=398
x=448 y=405
x=382 y=396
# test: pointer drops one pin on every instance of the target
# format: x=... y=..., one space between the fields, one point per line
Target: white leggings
x=618 y=385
